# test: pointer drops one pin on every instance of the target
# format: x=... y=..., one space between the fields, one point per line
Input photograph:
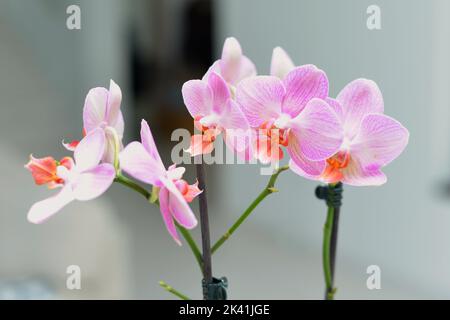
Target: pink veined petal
x=220 y=92
x=215 y=67
x=236 y=126
x=95 y=108
x=197 y=97
x=232 y=116
x=260 y=98
x=318 y=131
x=90 y=150
x=302 y=84
x=359 y=98
x=114 y=100
x=137 y=162
x=149 y=143
x=380 y=140
x=240 y=142
x=281 y=63
x=94 y=182
x=179 y=207
x=337 y=108
x=313 y=167
x=355 y=175
x=44 y=209
x=167 y=215
x=306 y=167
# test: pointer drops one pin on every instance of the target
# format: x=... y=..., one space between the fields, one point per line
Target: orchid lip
x=282 y=122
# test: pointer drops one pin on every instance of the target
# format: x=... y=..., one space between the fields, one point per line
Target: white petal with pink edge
x=281 y=64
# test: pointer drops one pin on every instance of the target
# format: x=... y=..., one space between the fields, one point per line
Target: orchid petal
x=119 y=125
x=236 y=127
x=231 y=59
x=94 y=182
x=307 y=169
x=175 y=173
x=281 y=63
x=199 y=145
x=337 y=108
x=316 y=131
x=138 y=163
x=305 y=166
x=380 y=140
x=166 y=214
x=302 y=84
x=94 y=112
x=90 y=150
x=260 y=98
x=246 y=69
x=179 y=207
x=114 y=100
x=359 y=98
x=149 y=143
x=198 y=97
x=355 y=175
x=44 y=209
x=220 y=92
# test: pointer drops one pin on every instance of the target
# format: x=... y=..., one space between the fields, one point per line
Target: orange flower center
x=274 y=133
x=335 y=164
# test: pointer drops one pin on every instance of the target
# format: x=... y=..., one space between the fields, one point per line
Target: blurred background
x=150 y=48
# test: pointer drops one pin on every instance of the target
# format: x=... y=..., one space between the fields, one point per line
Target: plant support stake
x=332 y=194
x=213 y=288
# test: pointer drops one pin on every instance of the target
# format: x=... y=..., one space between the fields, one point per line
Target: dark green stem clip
x=331 y=194
x=216 y=289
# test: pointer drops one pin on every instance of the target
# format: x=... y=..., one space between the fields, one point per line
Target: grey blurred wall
x=404 y=225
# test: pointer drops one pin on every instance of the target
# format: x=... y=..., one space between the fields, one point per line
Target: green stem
x=269 y=189
x=173 y=291
x=133 y=185
x=185 y=233
x=326 y=253
x=191 y=243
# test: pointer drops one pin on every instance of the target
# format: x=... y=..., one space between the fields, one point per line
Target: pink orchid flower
x=82 y=179
x=102 y=110
x=233 y=66
x=214 y=111
x=371 y=139
x=281 y=64
x=295 y=113
x=141 y=160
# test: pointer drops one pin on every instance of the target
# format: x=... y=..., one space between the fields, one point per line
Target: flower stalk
x=269 y=189
x=148 y=195
x=173 y=291
x=332 y=194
